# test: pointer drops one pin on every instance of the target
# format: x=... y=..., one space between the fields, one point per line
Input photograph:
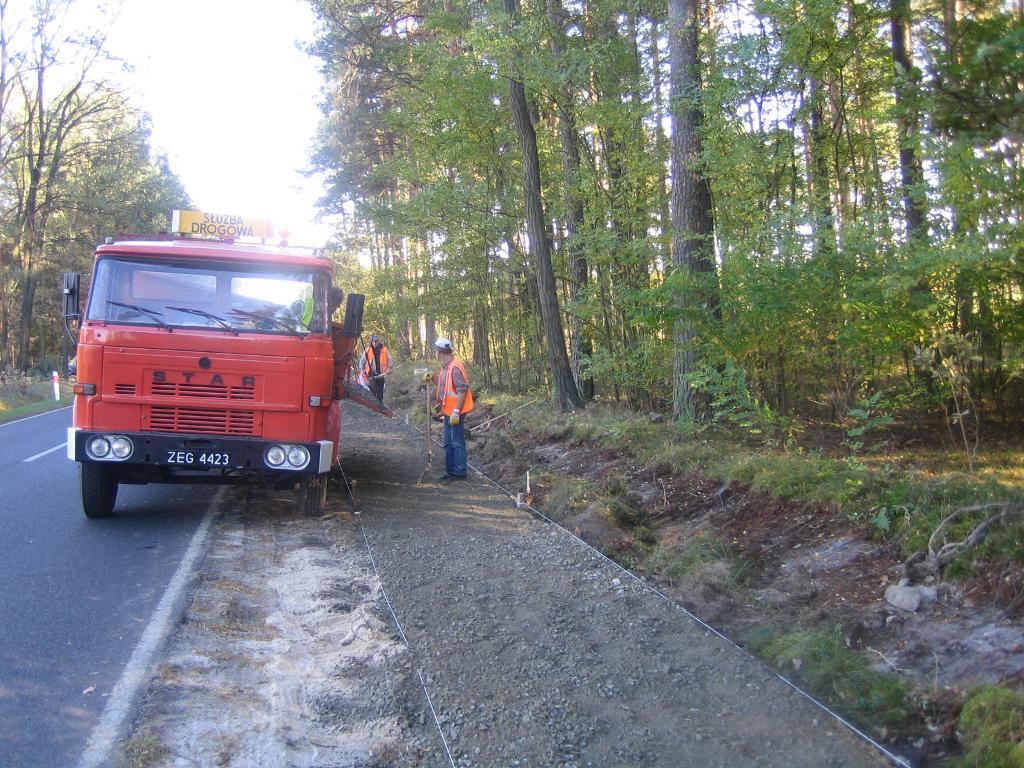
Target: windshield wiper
x=277 y=322
x=151 y=313
x=208 y=315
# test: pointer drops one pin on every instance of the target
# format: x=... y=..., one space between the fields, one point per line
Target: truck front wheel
x=99 y=490
x=313 y=495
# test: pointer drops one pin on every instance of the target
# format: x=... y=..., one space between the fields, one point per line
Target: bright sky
x=233 y=102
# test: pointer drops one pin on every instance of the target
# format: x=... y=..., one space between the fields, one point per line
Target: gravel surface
x=539 y=652
x=534 y=649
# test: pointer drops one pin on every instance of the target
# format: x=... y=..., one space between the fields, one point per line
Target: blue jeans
x=454 y=448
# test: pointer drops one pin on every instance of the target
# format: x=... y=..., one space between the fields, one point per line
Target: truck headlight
x=98 y=447
x=121 y=447
x=298 y=456
x=275 y=456
x=109 y=447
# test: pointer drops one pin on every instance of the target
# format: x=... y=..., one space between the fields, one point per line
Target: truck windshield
x=227 y=297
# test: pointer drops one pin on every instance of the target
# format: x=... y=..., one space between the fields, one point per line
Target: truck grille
x=211 y=391
x=167 y=418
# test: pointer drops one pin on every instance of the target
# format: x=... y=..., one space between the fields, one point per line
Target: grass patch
x=144 y=751
x=43 y=406
x=822 y=662
x=21 y=396
x=561 y=495
x=808 y=476
x=992 y=727
x=696 y=456
x=676 y=564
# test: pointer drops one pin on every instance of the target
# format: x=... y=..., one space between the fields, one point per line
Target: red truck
x=205 y=361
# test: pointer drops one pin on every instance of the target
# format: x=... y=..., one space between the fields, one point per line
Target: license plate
x=199 y=458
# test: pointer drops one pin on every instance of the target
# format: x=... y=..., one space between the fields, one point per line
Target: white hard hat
x=443 y=343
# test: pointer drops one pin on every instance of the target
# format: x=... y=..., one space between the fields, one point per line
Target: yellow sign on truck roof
x=219 y=225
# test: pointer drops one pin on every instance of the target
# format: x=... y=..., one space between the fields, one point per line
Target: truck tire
x=313 y=495
x=99 y=490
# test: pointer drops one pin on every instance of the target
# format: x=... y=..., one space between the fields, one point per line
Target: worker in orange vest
x=373 y=365
x=455 y=399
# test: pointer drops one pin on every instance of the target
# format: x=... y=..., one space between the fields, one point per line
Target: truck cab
x=204 y=361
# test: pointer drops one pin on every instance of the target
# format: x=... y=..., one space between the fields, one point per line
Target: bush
x=992 y=727
x=46 y=366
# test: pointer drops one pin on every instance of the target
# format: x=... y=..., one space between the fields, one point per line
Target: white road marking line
x=136 y=673
x=44 y=413
x=48 y=450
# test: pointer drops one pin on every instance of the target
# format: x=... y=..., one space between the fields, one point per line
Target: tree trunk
x=28 y=295
x=580 y=344
x=911 y=173
x=817 y=174
x=566 y=394
x=692 y=222
x=661 y=148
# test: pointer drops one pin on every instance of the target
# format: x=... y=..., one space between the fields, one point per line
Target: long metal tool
x=430 y=442
x=506 y=413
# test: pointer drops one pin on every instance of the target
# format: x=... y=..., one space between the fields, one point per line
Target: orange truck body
x=189 y=369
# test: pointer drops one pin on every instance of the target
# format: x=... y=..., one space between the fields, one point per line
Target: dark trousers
x=454 y=448
x=377 y=388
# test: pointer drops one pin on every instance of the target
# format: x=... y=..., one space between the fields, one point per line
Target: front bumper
x=200 y=455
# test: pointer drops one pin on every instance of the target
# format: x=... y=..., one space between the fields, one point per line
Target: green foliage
x=821 y=298
x=729 y=399
x=822 y=662
x=882 y=521
x=992 y=728
x=866 y=417
x=979 y=98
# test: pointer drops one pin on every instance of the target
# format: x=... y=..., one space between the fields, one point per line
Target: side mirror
x=337 y=296
x=354 y=314
x=70 y=293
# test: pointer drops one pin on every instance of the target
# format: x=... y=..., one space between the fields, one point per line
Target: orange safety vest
x=446 y=393
x=385 y=361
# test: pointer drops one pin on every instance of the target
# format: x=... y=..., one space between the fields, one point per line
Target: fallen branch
x=887 y=661
x=479 y=427
x=932 y=562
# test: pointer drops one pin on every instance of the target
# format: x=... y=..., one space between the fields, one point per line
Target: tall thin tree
x=579 y=339
x=566 y=393
x=692 y=221
x=907 y=121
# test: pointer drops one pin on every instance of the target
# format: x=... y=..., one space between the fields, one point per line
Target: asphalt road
x=75 y=594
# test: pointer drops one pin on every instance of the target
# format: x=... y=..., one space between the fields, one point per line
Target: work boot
x=445 y=478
